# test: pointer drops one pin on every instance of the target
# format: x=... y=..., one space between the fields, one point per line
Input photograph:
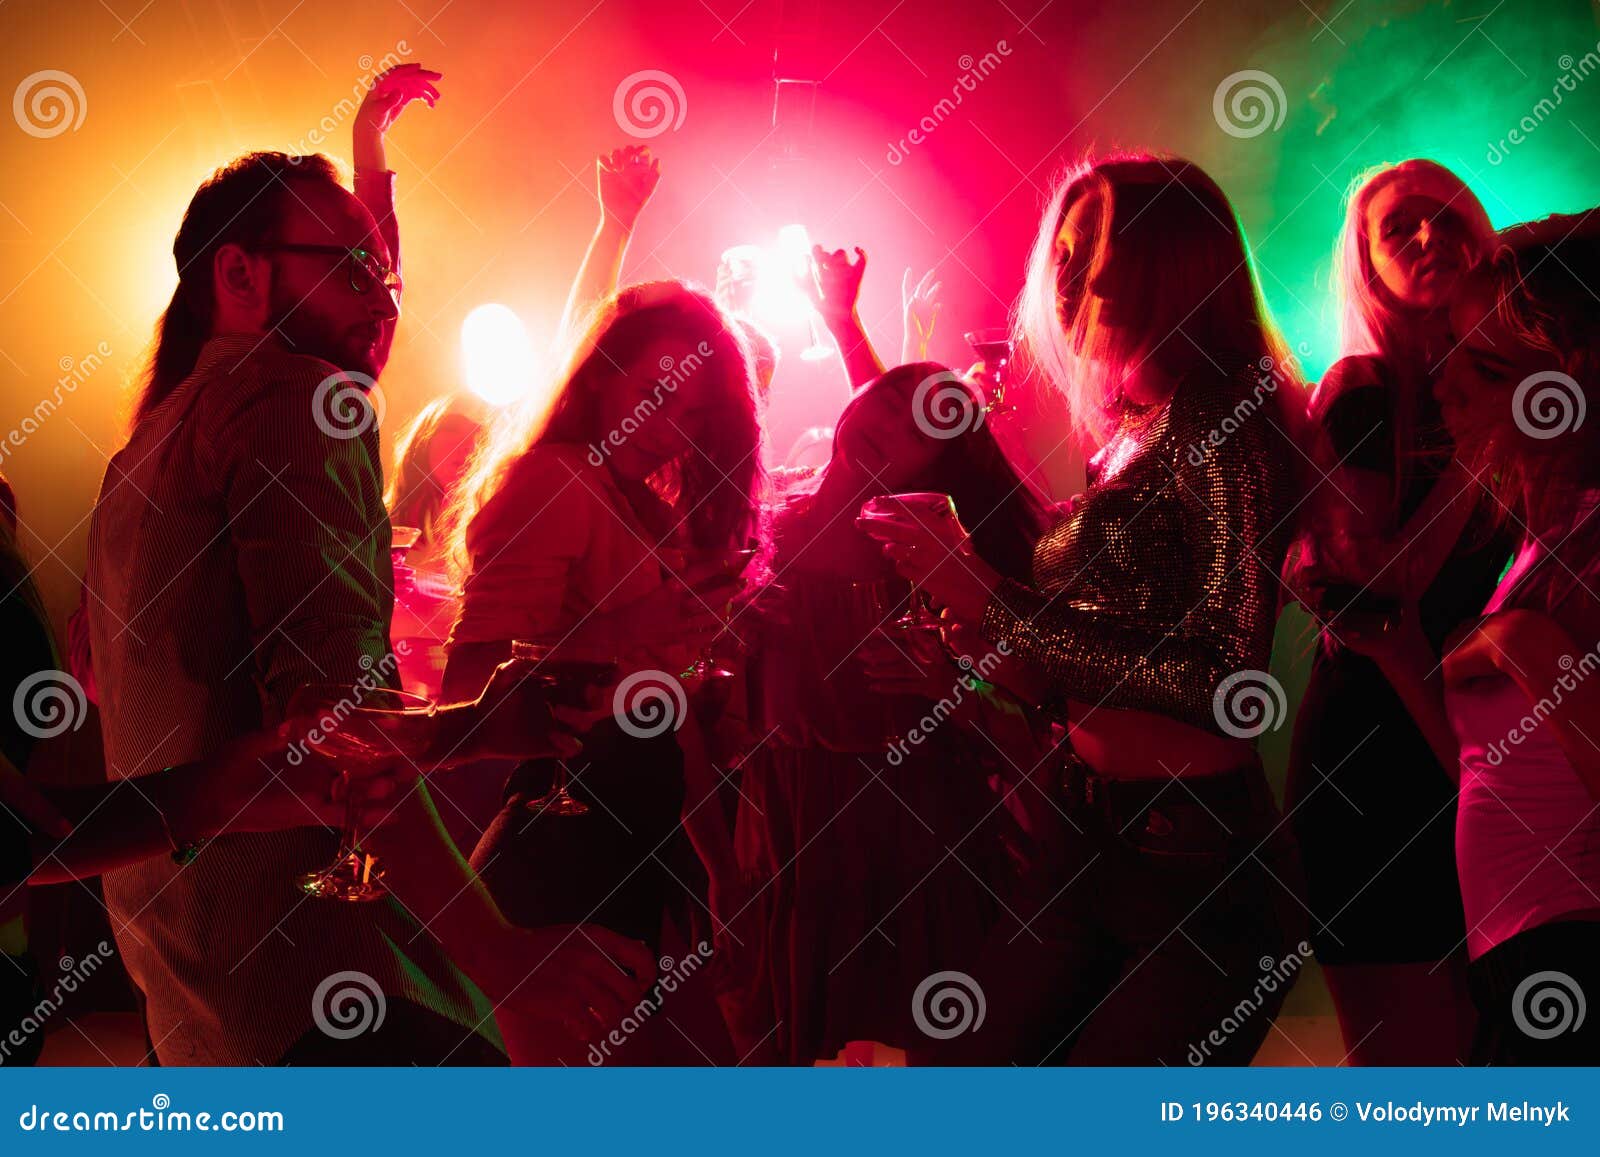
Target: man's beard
x=306 y=332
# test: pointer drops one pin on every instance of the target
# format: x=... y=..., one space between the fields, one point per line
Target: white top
x=1527 y=831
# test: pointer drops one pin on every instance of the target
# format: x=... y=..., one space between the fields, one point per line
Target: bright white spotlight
x=497 y=357
x=778 y=298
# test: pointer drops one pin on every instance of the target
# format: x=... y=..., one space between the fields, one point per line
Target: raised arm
x=626 y=179
x=919 y=305
x=380 y=108
x=834 y=287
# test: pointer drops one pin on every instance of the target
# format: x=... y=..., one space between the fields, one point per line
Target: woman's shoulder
x=555 y=466
x=1358 y=372
x=1219 y=404
x=550 y=486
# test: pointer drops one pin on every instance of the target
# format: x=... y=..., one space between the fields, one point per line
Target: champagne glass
x=734 y=563
x=355 y=723
x=994 y=348
x=401 y=540
x=914 y=508
x=569 y=681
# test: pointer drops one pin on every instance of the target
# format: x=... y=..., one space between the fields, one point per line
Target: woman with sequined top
x=1147 y=627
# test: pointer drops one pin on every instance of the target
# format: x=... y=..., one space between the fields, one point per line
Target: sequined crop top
x=1161 y=579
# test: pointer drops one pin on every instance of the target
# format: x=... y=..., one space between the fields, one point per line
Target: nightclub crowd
x=590 y=738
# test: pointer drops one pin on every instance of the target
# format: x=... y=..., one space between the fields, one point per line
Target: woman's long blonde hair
x=1371 y=322
x=1178 y=251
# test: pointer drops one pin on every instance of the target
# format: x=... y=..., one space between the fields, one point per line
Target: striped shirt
x=237 y=551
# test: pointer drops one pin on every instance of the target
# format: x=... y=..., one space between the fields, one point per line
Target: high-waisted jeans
x=1166 y=929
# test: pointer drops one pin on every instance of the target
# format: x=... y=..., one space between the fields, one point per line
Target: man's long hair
x=242 y=203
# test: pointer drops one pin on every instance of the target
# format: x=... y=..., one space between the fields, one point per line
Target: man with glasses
x=239 y=550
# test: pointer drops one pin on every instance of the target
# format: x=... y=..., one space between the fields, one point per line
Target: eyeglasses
x=366 y=268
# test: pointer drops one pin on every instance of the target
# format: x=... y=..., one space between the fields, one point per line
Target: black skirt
x=607 y=867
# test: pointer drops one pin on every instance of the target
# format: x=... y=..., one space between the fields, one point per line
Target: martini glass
x=914 y=508
x=994 y=348
x=734 y=564
x=569 y=681
x=354 y=724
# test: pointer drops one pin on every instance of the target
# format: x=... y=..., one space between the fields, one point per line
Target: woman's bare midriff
x=1124 y=744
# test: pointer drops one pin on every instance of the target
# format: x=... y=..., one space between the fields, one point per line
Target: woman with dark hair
x=1372 y=808
x=1149 y=613
x=1511 y=703
x=572 y=532
x=864 y=859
